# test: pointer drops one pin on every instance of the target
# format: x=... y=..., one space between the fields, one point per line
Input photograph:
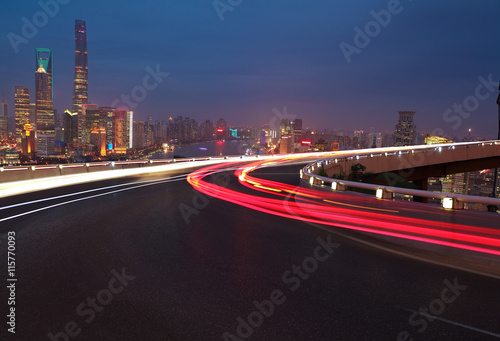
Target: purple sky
x=428 y=57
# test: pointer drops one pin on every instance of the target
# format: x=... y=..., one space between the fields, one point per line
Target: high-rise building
x=107 y=117
x=32 y=115
x=93 y=119
x=81 y=83
x=44 y=92
x=123 y=131
x=28 y=146
x=82 y=121
x=221 y=129
x=207 y=130
x=4 y=120
x=406 y=129
x=22 y=110
x=140 y=129
x=43 y=59
x=297 y=130
x=70 y=127
x=98 y=141
x=45 y=120
x=286 y=144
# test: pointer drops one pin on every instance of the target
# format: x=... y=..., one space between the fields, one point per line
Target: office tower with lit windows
x=406 y=130
x=123 y=131
x=32 y=116
x=207 y=130
x=221 y=129
x=45 y=120
x=4 y=120
x=21 y=110
x=297 y=133
x=70 y=122
x=44 y=59
x=81 y=83
x=107 y=116
x=28 y=145
x=82 y=122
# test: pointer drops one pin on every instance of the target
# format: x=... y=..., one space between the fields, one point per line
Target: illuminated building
x=436 y=140
x=98 y=140
x=454 y=183
x=93 y=119
x=107 y=117
x=82 y=122
x=221 y=129
x=297 y=133
x=32 y=115
x=406 y=129
x=70 y=127
x=9 y=156
x=207 y=130
x=81 y=83
x=140 y=132
x=123 y=131
x=286 y=144
x=44 y=59
x=45 y=121
x=4 y=120
x=21 y=109
x=28 y=140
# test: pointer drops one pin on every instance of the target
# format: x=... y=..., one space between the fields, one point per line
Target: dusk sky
x=270 y=54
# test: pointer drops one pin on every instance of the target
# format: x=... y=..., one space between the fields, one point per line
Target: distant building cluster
x=87 y=129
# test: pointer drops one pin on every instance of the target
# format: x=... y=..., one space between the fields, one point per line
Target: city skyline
x=244 y=79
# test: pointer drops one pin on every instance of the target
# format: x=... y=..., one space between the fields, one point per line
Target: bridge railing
x=28 y=172
x=450 y=200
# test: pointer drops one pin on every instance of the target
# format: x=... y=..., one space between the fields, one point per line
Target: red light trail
x=328 y=208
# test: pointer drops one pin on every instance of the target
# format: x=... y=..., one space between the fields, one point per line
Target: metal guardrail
x=385 y=192
x=28 y=172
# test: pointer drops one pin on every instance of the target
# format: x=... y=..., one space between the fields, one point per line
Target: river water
x=212 y=148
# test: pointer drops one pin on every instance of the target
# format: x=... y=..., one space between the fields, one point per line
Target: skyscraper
x=44 y=59
x=406 y=129
x=4 y=120
x=123 y=131
x=81 y=83
x=70 y=127
x=44 y=93
x=45 y=121
x=82 y=122
x=21 y=110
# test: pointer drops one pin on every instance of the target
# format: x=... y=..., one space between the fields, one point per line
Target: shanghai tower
x=81 y=82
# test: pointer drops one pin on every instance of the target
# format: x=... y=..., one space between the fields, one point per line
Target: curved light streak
x=326 y=208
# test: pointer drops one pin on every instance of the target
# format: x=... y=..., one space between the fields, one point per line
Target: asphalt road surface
x=155 y=261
